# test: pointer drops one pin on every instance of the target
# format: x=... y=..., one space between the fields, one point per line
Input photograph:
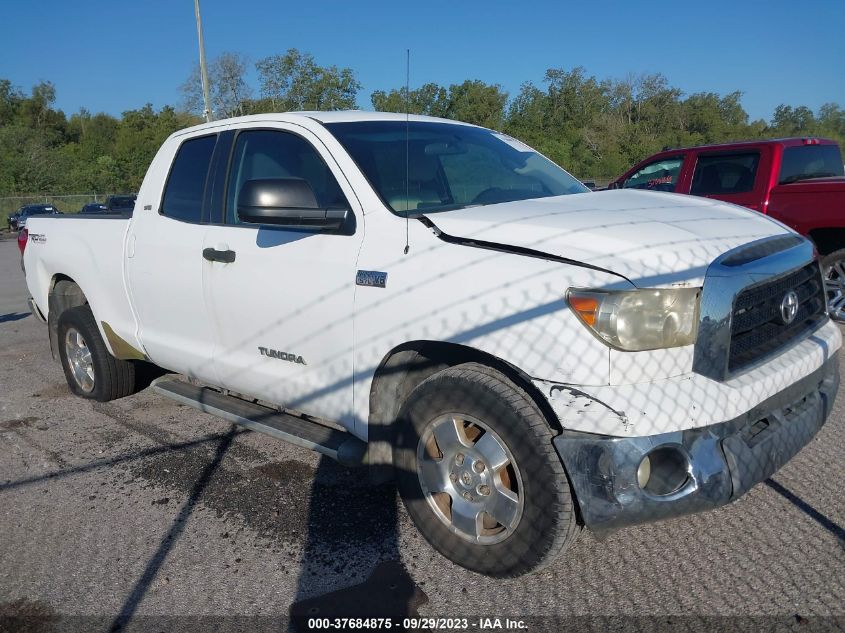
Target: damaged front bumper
x=711 y=465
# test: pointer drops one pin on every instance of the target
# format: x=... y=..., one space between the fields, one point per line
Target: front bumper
x=723 y=460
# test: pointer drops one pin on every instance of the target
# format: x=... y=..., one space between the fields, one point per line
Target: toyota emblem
x=789 y=307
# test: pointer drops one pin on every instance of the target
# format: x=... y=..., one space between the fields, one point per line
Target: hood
x=653 y=239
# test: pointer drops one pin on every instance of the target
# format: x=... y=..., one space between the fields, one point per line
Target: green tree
x=429 y=99
x=228 y=88
x=138 y=137
x=476 y=102
x=789 y=121
x=294 y=81
x=472 y=101
x=594 y=127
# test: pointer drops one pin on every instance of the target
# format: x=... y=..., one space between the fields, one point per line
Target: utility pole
x=203 y=69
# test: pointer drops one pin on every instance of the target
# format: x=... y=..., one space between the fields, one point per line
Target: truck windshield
x=429 y=167
x=803 y=162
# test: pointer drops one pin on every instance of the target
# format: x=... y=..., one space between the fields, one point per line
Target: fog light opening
x=663 y=471
x=644 y=472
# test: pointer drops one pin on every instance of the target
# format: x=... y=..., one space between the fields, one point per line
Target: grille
x=757 y=329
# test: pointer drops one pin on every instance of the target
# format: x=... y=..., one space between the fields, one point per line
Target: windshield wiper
x=797 y=177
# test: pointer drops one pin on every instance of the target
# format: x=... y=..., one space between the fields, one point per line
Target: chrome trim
x=723 y=282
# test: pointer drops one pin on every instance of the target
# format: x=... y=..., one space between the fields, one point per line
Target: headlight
x=637 y=320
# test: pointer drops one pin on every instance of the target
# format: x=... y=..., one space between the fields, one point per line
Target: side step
x=339 y=445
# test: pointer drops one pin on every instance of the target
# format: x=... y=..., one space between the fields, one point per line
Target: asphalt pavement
x=142 y=514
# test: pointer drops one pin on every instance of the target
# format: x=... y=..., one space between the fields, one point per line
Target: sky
x=117 y=55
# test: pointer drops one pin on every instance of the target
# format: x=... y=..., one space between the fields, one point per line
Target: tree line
x=595 y=127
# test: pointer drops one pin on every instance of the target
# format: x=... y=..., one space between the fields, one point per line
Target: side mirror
x=613 y=185
x=287 y=202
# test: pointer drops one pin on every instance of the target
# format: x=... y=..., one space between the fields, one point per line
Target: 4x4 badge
x=372 y=278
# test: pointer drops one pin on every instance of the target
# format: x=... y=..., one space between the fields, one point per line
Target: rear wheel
x=479 y=475
x=833 y=267
x=90 y=371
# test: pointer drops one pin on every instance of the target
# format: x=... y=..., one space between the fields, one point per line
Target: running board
x=334 y=443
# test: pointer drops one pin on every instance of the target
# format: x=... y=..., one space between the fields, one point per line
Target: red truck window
x=661 y=175
x=804 y=162
x=725 y=173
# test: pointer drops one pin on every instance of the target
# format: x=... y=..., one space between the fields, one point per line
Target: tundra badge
x=288 y=356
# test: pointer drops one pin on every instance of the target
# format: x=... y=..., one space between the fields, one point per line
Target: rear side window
x=272 y=154
x=661 y=175
x=183 y=194
x=810 y=161
x=725 y=173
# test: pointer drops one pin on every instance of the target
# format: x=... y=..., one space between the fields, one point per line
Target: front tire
x=90 y=370
x=479 y=476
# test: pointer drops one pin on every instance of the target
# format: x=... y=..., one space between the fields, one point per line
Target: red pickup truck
x=799 y=181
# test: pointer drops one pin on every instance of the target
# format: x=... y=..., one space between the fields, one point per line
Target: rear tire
x=90 y=370
x=478 y=474
x=833 y=269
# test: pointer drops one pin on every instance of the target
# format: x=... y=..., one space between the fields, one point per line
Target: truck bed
x=88 y=250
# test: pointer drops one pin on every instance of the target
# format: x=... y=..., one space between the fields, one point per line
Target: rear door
x=165 y=265
x=737 y=176
x=282 y=309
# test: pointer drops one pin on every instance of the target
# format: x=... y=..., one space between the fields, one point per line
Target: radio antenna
x=407 y=145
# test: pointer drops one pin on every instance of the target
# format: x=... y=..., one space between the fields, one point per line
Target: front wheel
x=479 y=475
x=90 y=370
x=833 y=268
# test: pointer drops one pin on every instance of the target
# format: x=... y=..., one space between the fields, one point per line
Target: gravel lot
x=139 y=513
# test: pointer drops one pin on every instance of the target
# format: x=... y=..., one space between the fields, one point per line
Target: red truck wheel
x=833 y=267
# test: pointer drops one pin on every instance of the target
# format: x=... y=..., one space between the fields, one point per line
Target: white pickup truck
x=441 y=303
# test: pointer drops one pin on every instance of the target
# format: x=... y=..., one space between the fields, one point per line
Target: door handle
x=213 y=255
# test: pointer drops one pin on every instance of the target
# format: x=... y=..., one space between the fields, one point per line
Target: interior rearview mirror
x=288 y=202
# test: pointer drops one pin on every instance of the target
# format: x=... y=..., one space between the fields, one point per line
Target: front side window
x=661 y=175
x=183 y=194
x=427 y=167
x=725 y=174
x=272 y=154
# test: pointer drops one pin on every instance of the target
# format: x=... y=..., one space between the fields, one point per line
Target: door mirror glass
x=288 y=202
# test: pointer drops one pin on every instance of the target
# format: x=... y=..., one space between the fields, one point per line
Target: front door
x=282 y=310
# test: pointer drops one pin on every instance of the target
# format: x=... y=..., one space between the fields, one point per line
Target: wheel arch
x=406 y=366
x=828 y=240
x=64 y=293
